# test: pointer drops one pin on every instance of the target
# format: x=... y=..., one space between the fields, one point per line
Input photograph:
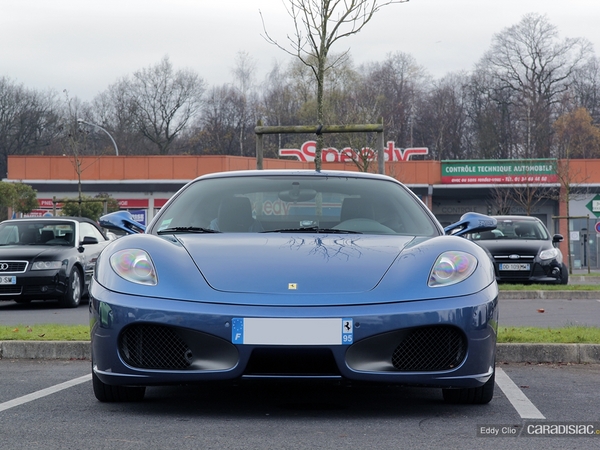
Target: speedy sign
x=306 y=153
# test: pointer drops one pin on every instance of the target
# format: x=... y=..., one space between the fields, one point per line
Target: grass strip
x=536 y=335
x=44 y=332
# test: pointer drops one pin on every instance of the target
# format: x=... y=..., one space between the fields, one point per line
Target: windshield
x=515 y=229
x=37 y=233
x=288 y=203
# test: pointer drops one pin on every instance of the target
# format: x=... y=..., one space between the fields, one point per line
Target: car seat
x=235 y=214
x=356 y=208
x=28 y=236
x=47 y=235
x=524 y=230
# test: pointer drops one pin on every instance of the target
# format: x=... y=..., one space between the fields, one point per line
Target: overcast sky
x=83 y=46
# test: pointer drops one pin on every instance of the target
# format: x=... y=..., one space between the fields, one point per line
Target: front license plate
x=8 y=280
x=272 y=331
x=514 y=267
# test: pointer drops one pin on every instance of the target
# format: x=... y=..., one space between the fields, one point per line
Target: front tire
x=110 y=394
x=72 y=296
x=564 y=274
x=471 y=396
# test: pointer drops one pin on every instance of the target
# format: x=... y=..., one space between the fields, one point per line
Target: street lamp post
x=103 y=129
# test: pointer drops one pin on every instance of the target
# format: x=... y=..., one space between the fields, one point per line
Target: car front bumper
x=36 y=285
x=540 y=272
x=148 y=341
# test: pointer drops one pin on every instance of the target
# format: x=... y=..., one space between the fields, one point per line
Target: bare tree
x=28 y=121
x=585 y=89
x=499 y=200
x=244 y=83
x=442 y=118
x=394 y=88
x=280 y=105
x=529 y=195
x=529 y=62
x=163 y=101
x=113 y=110
x=318 y=25
x=217 y=130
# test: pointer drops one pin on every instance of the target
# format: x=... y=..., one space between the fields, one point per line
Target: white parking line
x=520 y=402
x=44 y=392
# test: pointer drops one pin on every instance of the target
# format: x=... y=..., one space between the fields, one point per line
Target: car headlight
x=134 y=265
x=451 y=268
x=549 y=254
x=46 y=265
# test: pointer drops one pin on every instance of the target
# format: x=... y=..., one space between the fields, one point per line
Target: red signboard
x=46 y=203
x=133 y=203
x=38 y=213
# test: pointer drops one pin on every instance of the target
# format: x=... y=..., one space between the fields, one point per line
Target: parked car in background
x=48 y=258
x=299 y=275
x=524 y=251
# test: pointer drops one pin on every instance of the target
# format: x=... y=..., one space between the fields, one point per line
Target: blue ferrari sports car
x=297 y=275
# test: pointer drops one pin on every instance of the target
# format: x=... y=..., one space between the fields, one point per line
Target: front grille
x=514 y=274
x=10 y=290
x=430 y=349
x=13 y=266
x=154 y=347
x=42 y=289
x=292 y=361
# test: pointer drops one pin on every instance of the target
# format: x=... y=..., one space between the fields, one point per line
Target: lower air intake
x=430 y=349
x=154 y=347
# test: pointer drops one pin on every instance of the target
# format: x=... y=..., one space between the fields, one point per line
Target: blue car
x=297 y=275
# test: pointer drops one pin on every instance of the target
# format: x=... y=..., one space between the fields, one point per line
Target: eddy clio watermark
x=541 y=429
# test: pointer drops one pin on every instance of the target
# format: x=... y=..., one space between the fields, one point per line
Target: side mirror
x=557 y=238
x=87 y=240
x=471 y=223
x=122 y=221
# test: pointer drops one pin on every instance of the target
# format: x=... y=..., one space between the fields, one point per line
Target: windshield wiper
x=186 y=230
x=312 y=230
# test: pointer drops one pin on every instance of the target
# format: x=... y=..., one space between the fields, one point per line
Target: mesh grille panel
x=430 y=349
x=10 y=289
x=13 y=266
x=154 y=347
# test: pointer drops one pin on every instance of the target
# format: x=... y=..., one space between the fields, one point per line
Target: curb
x=507 y=353
x=45 y=350
x=549 y=295
x=548 y=353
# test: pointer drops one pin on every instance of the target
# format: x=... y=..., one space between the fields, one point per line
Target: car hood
x=513 y=246
x=26 y=252
x=279 y=263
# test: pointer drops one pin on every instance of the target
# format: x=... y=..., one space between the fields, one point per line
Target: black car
x=48 y=258
x=523 y=251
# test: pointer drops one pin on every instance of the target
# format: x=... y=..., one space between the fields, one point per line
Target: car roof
x=51 y=218
x=297 y=172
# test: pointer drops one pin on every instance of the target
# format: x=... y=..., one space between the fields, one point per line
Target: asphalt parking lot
x=50 y=405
